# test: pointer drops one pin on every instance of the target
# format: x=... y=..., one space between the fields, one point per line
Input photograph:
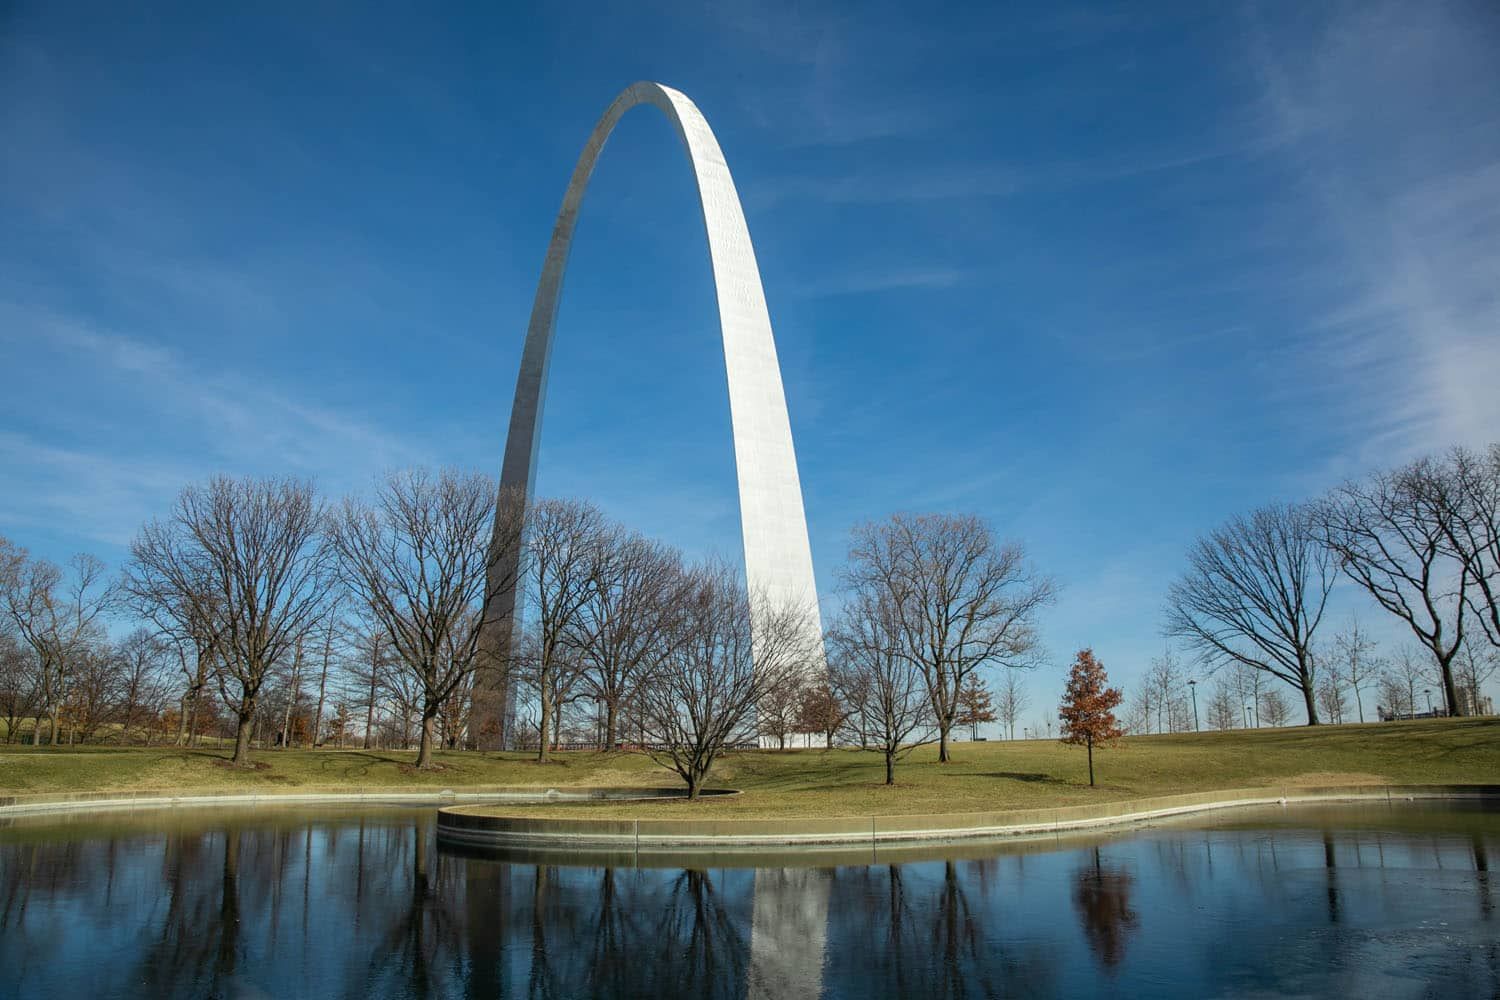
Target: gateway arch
x=778 y=559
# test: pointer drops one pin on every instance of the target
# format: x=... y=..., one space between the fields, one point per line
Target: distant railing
x=1388 y=716
x=627 y=745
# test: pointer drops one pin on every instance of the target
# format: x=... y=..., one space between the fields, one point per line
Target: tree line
x=265 y=615
x=1422 y=540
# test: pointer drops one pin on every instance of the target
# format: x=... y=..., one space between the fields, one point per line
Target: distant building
x=1471 y=702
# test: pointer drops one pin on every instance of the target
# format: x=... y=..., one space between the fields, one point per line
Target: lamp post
x=1193 y=687
x=1428 y=693
x=1247 y=715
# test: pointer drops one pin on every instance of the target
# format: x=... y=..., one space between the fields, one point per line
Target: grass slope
x=985 y=776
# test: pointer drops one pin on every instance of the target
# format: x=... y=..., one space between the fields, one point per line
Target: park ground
x=983 y=776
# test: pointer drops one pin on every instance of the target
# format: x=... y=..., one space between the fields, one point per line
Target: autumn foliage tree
x=1087 y=709
x=975 y=706
x=821 y=711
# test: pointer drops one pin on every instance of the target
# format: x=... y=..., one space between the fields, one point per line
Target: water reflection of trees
x=917 y=930
x=372 y=907
x=1102 y=896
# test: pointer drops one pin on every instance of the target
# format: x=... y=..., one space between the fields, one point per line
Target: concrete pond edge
x=463 y=825
x=44 y=803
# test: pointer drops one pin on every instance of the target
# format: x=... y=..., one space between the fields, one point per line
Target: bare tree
x=1011 y=701
x=1472 y=490
x=626 y=619
x=1141 y=711
x=1164 y=681
x=870 y=667
x=1273 y=707
x=418 y=559
x=142 y=660
x=59 y=615
x=330 y=630
x=562 y=540
x=1331 y=695
x=1407 y=674
x=1254 y=594
x=962 y=601
x=1391 y=535
x=702 y=697
x=17 y=692
x=1357 y=663
x=249 y=556
x=1223 y=707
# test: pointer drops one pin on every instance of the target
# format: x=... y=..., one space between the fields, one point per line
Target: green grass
x=984 y=776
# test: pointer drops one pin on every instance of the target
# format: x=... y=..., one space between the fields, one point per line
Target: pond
x=1358 y=901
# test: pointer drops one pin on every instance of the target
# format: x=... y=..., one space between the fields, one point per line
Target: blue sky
x=1102 y=278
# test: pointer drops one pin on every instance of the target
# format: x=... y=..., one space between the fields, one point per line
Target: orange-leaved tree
x=1087 y=709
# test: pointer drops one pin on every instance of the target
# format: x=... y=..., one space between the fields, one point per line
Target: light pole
x=1428 y=693
x=1247 y=715
x=1193 y=687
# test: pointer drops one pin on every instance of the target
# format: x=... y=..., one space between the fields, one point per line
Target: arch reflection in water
x=365 y=905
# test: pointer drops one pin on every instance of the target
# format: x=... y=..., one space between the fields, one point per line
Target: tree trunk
x=1090 y=740
x=543 y=723
x=1450 y=691
x=374 y=675
x=692 y=783
x=291 y=699
x=317 y=722
x=193 y=737
x=943 y=756
x=1358 y=704
x=609 y=725
x=242 y=736
x=424 y=750
x=182 y=720
x=1312 y=706
x=52 y=723
x=890 y=768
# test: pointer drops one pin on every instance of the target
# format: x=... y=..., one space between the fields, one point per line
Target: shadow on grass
x=1031 y=777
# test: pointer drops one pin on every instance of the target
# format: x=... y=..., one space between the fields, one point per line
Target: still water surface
x=1368 y=902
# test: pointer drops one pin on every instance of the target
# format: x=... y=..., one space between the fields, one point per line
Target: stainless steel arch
x=778 y=559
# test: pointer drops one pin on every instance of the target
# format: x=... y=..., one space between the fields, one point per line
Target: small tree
x=1331 y=695
x=1273 y=708
x=1224 y=707
x=1356 y=661
x=895 y=713
x=960 y=599
x=778 y=709
x=702 y=696
x=975 y=706
x=821 y=711
x=1011 y=702
x=1087 y=710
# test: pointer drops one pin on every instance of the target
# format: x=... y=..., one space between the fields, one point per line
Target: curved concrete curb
x=461 y=825
x=64 y=802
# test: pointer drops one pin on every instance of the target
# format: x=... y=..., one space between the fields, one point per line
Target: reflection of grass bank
x=985 y=776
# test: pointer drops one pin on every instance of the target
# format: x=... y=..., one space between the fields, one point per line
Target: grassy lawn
x=985 y=776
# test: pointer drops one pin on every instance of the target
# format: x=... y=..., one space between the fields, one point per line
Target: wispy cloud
x=106 y=476
x=927 y=183
x=876 y=280
x=1407 y=180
